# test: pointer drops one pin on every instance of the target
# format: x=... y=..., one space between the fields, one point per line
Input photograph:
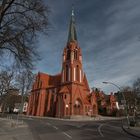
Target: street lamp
x=123 y=99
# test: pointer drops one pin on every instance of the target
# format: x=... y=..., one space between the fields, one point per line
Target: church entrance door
x=78 y=107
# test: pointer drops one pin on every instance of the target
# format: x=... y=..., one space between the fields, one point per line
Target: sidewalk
x=12 y=130
x=134 y=131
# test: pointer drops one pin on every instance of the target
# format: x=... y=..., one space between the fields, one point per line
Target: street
x=49 y=129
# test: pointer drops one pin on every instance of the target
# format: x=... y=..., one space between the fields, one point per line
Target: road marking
x=48 y=124
x=99 y=130
x=55 y=127
x=90 y=129
x=117 y=127
x=67 y=135
x=29 y=118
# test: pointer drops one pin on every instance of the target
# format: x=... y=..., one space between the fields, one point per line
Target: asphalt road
x=48 y=129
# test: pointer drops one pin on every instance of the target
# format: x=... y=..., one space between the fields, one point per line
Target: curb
x=128 y=132
x=71 y=119
x=60 y=119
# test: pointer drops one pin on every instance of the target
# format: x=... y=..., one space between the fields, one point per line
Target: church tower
x=74 y=91
x=72 y=57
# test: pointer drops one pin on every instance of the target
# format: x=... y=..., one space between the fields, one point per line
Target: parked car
x=16 y=110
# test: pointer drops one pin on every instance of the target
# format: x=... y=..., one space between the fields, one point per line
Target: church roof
x=55 y=79
x=64 y=90
x=47 y=80
x=86 y=83
x=85 y=101
x=72 y=29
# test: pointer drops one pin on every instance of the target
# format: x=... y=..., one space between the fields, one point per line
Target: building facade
x=67 y=93
x=107 y=104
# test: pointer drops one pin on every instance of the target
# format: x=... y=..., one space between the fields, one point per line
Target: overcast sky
x=108 y=33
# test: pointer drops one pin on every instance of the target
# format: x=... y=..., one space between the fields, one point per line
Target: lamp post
x=125 y=106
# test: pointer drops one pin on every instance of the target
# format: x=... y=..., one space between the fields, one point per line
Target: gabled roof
x=55 y=79
x=64 y=90
x=86 y=83
x=86 y=102
x=47 y=80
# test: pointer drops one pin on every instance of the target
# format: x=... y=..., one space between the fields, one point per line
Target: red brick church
x=65 y=94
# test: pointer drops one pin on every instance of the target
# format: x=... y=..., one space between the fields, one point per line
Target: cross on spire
x=72 y=29
x=72 y=11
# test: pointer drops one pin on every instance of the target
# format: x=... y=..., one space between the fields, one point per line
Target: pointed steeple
x=72 y=29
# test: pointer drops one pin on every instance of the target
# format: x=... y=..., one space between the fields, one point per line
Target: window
x=75 y=55
x=47 y=91
x=68 y=54
x=67 y=73
x=53 y=91
x=52 y=98
x=85 y=108
x=40 y=84
x=65 y=96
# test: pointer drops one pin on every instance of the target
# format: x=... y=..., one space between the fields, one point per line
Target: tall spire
x=72 y=30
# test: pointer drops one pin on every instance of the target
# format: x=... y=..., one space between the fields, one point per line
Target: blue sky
x=108 y=32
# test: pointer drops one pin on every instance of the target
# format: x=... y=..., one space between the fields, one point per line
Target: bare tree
x=24 y=82
x=20 y=22
x=136 y=86
x=6 y=80
x=6 y=84
x=130 y=98
x=136 y=89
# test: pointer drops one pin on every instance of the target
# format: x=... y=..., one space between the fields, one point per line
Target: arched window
x=67 y=73
x=68 y=54
x=75 y=55
x=77 y=73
